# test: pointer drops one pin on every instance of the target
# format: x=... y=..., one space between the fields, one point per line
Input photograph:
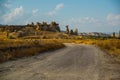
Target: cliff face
x=53 y=26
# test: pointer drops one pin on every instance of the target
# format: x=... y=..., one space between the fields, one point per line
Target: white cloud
x=20 y=16
x=57 y=8
x=84 y=20
x=110 y=22
x=7 y=5
x=4 y=7
x=52 y=13
x=89 y=20
x=16 y=13
x=83 y=23
x=113 y=19
x=35 y=11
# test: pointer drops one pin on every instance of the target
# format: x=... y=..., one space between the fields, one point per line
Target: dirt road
x=74 y=62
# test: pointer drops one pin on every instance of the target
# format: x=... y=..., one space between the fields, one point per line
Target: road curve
x=74 y=62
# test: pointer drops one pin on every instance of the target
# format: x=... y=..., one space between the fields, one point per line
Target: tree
x=67 y=29
x=58 y=28
x=119 y=34
x=113 y=34
x=71 y=32
x=32 y=23
x=76 y=31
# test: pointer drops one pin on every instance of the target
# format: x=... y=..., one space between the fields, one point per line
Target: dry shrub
x=12 y=49
x=113 y=46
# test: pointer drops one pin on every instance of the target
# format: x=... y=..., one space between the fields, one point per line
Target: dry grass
x=28 y=46
x=3 y=35
x=16 y=48
x=112 y=46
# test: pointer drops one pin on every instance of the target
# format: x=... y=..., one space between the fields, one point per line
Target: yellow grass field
x=16 y=48
x=112 y=46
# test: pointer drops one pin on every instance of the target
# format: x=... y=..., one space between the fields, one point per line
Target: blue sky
x=86 y=15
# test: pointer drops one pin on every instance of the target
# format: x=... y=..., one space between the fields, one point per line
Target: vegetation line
x=26 y=40
x=13 y=49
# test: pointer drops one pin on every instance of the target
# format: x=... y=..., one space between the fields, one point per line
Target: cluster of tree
x=71 y=31
x=114 y=35
x=119 y=34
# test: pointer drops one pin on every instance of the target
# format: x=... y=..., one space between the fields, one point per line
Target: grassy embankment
x=28 y=46
x=112 y=46
x=16 y=48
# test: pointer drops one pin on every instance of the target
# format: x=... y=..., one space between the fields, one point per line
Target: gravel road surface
x=74 y=62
